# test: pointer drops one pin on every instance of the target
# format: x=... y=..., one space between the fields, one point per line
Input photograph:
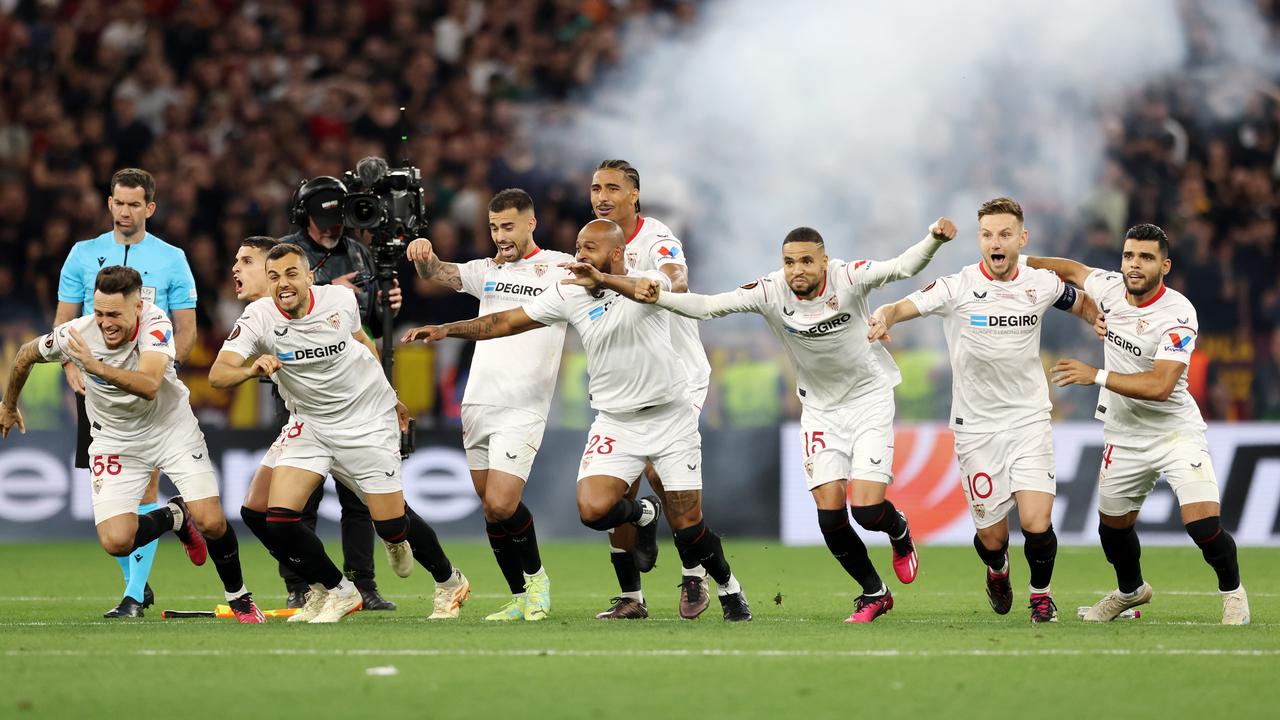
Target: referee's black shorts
x=82 y=434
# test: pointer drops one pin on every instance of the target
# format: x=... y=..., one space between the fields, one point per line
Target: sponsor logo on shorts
x=97 y=485
x=197 y=456
x=979 y=510
x=510 y=456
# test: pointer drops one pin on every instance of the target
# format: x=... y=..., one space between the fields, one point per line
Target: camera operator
x=339 y=258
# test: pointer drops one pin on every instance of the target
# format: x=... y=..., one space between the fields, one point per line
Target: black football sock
x=256 y=521
x=225 y=554
x=426 y=547
x=704 y=548
x=624 y=511
x=994 y=559
x=624 y=567
x=1124 y=552
x=524 y=539
x=881 y=517
x=151 y=526
x=848 y=549
x=1219 y=550
x=304 y=548
x=1041 y=550
x=508 y=560
x=395 y=530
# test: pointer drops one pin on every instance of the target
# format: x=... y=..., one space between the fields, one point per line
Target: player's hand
x=402 y=416
x=78 y=348
x=396 y=296
x=1100 y=326
x=584 y=275
x=9 y=418
x=1072 y=372
x=345 y=281
x=75 y=378
x=943 y=229
x=419 y=251
x=877 y=328
x=427 y=334
x=264 y=366
x=647 y=290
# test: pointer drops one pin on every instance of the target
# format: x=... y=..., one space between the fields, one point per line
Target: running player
x=344 y=421
x=140 y=420
x=639 y=391
x=815 y=306
x=992 y=312
x=504 y=408
x=651 y=246
x=1151 y=424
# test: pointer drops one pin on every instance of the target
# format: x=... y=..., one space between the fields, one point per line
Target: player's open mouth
x=1135 y=276
x=287 y=295
x=997 y=258
x=239 y=286
x=604 y=209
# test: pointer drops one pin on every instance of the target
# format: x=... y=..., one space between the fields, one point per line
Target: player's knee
x=117 y=546
x=1035 y=523
x=690 y=535
x=591 y=511
x=869 y=516
x=500 y=507
x=1043 y=541
x=830 y=521
x=1205 y=530
x=284 y=523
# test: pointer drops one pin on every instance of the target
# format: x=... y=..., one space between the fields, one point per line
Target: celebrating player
x=140 y=420
x=1151 y=425
x=638 y=388
x=815 y=306
x=651 y=246
x=992 y=312
x=504 y=408
x=344 y=421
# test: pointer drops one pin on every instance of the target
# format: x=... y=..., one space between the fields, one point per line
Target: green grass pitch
x=940 y=653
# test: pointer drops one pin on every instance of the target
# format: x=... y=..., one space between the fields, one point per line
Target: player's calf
x=849 y=550
x=1219 y=550
x=1123 y=550
x=884 y=517
x=300 y=542
x=1041 y=550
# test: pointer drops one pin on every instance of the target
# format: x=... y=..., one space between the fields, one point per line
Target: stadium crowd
x=231 y=104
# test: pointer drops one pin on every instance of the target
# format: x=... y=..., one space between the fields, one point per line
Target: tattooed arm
x=431 y=267
x=28 y=356
x=485 y=327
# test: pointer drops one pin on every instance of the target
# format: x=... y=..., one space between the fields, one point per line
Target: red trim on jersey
x=639 y=224
x=532 y=252
x=983 y=267
x=1159 y=294
x=136 y=324
x=311 y=293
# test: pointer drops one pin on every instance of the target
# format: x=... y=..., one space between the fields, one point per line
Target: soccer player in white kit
x=308 y=339
x=817 y=307
x=509 y=389
x=140 y=421
x=992 y=313
x=651 y=246
x=639 y=392
x=1151 y=425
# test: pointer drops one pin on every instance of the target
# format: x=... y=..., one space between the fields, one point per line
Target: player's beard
x=1148 y=284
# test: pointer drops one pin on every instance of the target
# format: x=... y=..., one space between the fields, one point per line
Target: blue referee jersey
x=166 y=277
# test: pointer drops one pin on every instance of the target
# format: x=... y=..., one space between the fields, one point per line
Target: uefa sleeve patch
x=750 y=286
x=235 y=332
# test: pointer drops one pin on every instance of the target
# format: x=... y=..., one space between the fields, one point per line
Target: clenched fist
x=943 y=229
x=420 y=251
x=265 y=365
x=647 y=290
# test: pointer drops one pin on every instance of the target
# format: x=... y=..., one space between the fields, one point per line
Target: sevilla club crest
x=1142 y=325
x=834 y=303
x=334 y=320
x=540 y=269
x=1031 y=295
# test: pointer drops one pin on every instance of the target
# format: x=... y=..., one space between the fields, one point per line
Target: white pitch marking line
x=557 y=652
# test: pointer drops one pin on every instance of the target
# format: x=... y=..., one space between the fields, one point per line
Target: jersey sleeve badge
x=334 y=320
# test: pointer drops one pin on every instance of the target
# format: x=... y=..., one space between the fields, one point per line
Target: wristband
x=1101 y=378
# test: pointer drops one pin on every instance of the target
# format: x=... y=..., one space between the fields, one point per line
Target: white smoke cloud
x=865 y=120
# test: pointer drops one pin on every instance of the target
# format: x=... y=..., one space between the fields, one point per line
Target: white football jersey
x=825 y=337
x=517 y=371
x=1163 y=328
x=993 y=336
x=650 y=247
x=329 y=378
x=116 y=416
x=630 y=358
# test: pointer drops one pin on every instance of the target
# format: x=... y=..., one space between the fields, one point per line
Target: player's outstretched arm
x=886 y=316
x=485 y=327
x=704 y=307
x=1069 y=270
x=143 y=382
x=229 y=370
x=587 y=276
x=431 y=267
x=28 y=355
x=1155 y=384
x=913 y=259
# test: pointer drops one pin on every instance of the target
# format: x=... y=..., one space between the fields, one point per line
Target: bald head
x=603 y=231
x=600 y=243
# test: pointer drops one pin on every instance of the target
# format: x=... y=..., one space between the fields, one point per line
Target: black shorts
x=82 y=434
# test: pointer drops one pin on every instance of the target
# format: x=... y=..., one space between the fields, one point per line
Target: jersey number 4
x=108 y=464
